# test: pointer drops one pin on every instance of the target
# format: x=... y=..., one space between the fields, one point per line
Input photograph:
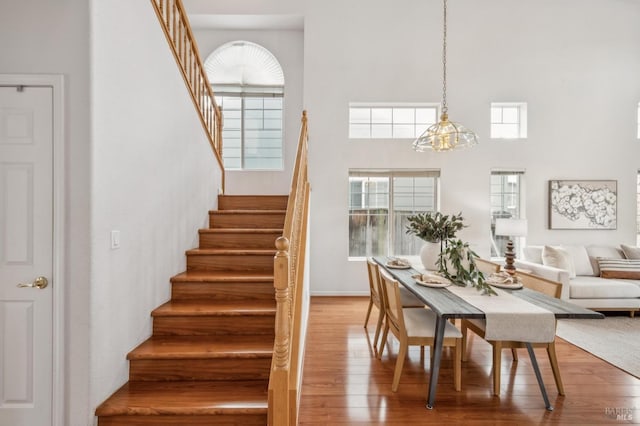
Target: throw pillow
x=595 y=252
x=620 y=268
x=630 y=252
x=558 y=258
x=580 y=259
x=533 y=254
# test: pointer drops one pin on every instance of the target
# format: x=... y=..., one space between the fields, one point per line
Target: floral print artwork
x=580 y=204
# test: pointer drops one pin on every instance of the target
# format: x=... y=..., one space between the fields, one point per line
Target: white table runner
x=510 y=318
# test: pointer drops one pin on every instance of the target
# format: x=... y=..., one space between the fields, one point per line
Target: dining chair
x=414 y=327
x=533 y=282
x=487 y=267
x=375 y=299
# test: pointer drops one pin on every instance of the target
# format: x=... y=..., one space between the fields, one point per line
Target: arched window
x=249 y=86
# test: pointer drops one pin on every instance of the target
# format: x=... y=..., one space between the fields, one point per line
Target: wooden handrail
x=288 y=280
x=175 y=25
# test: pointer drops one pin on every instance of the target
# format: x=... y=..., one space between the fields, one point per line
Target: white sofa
x=581 y=278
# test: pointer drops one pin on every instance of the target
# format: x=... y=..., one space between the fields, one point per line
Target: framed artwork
x=583 y=204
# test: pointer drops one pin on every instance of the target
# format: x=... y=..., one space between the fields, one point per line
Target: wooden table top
x=449 y=305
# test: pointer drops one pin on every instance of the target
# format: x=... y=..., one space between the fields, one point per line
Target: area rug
x=613 y=339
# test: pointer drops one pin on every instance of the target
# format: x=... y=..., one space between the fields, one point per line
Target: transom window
x=379 y=204
x=507 y=198
x=508 y=120
x=248 y=83
x=390 y=121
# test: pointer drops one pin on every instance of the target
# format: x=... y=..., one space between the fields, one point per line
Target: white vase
x=451 y=270
x=429 y=254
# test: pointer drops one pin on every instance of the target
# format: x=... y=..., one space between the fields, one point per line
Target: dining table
x=446 y=304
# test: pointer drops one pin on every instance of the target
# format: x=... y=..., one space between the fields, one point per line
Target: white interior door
x=26 y=248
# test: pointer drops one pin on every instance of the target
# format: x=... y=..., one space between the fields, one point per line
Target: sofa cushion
x=533 y=254
x=630 y=252
x=599 y=288
x=619 y=268
x=580 y=259
x=557 y=257
x=595 y=252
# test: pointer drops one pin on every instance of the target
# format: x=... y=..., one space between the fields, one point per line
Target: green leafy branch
x=459 y=255
x=435 y=227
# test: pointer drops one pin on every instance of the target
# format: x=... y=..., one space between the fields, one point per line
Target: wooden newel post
x=279 y=413
x=283 y=303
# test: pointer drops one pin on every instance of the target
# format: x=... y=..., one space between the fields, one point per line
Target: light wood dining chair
x=375 y=299
x=486 y=266
x=414 y=327
x=533 y=282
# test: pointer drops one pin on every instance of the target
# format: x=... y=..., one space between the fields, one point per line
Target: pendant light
x=445 y=135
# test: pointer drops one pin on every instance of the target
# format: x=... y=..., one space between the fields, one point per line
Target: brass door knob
x=40 y=282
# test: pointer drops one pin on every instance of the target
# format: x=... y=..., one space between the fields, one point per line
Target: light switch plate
x=115 y=240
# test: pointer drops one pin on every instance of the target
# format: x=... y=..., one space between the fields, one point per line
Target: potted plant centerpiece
x=435 y=229
x=451 y=257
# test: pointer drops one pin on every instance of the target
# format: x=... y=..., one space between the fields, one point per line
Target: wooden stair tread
x=267 y=201
x=209 y=308
x=256 y=212
x=187 y=398
x=222 y=276
x=235 y=252
x=240 y=231
x=204 y=347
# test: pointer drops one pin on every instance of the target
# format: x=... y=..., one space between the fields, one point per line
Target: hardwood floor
x=344 y=384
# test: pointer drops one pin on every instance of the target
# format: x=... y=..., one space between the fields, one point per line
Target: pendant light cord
x=445 y=109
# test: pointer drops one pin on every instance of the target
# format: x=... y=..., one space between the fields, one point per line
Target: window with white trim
x=508 y=120
x=251 y=132
x=390 y=121
x=380 y=202
x=248 y=84
x=507 y=202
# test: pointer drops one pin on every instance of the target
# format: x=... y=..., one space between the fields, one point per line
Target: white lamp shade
x=511 y=227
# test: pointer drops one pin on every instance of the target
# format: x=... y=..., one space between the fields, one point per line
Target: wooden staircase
x=209 y=358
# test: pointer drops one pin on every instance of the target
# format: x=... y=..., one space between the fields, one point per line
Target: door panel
x=17 y=356
x=17 y=224
x=26 y=249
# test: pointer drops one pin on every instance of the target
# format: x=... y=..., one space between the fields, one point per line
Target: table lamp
x=511 y=228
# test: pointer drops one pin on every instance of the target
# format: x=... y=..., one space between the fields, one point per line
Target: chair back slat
x=487 y=267
x=543 y=285
x=392 y=301
x=374 y=282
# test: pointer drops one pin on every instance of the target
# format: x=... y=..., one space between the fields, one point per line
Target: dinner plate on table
x=398 y=263
x=504 y=280
x=507 y=286
x=435 y=282
x=395 y=266
x=432 y=284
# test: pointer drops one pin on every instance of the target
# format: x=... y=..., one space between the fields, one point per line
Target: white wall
x=574 y=62
x=43 y=37
x=154 y=179
x=287 y=47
